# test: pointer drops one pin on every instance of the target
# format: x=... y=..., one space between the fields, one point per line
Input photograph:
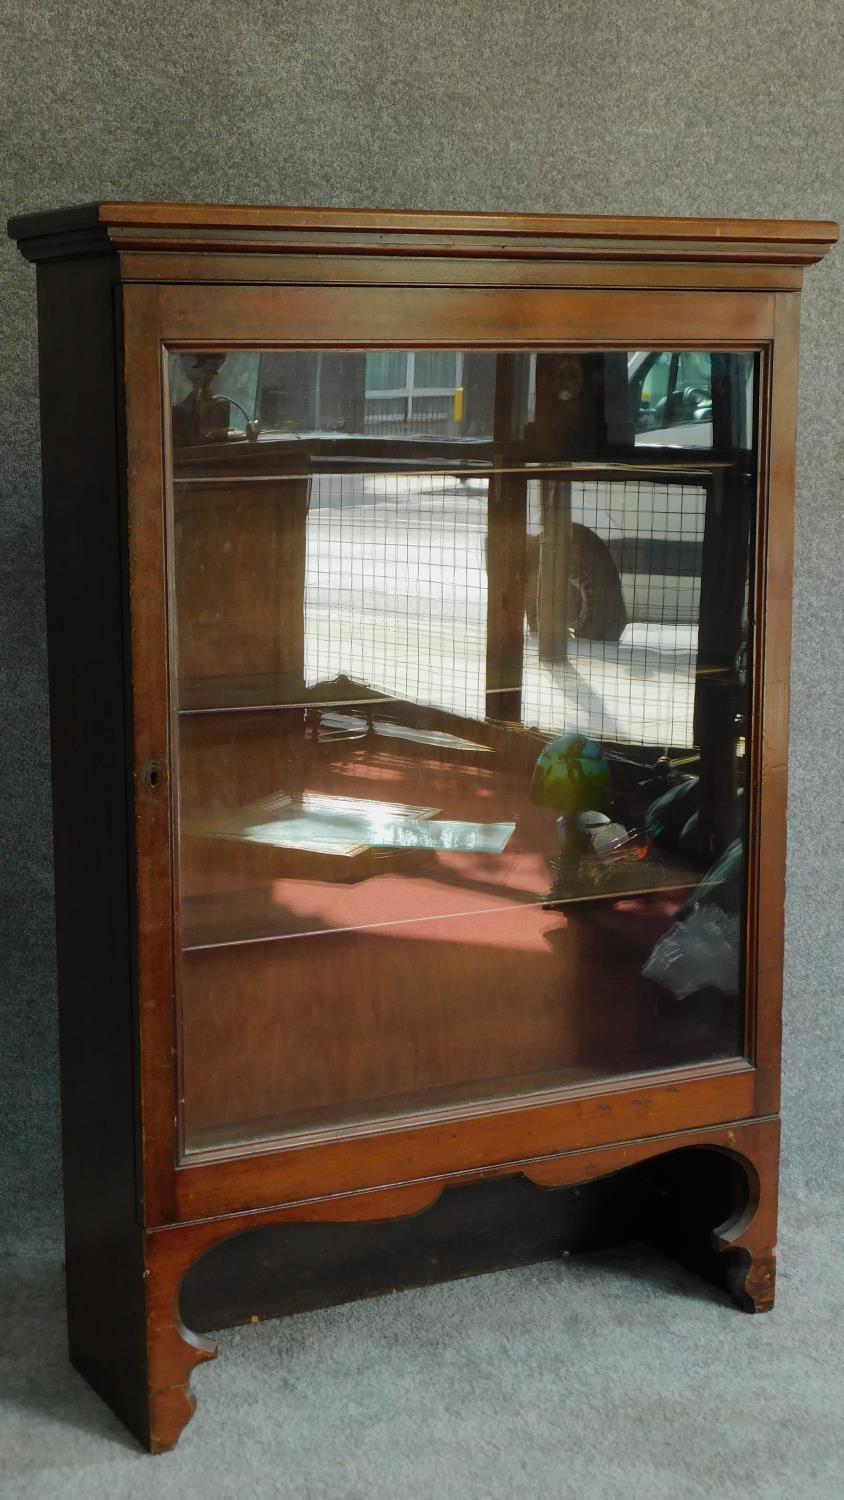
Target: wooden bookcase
x=418 y=596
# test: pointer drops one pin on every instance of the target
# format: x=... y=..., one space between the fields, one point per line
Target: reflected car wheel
x=580 y=602
x=595 y=603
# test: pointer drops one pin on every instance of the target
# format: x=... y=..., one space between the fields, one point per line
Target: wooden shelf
x=355 y=457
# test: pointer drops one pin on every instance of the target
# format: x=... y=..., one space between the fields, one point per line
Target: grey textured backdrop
x=712 y=108
x=706 y=108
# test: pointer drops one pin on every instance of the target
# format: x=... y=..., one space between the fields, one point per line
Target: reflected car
x=637 y=544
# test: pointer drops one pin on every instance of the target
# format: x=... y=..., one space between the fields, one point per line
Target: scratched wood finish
x=118 y=281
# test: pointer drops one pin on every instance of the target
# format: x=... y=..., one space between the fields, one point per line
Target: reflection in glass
x=460 y=655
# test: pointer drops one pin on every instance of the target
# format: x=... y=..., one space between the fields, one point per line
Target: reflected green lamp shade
x=571 y=775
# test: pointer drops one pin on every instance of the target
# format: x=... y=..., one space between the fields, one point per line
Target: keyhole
x=152 y=773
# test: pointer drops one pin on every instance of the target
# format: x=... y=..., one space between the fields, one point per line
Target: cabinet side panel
x=85 y=552
x=773 y=663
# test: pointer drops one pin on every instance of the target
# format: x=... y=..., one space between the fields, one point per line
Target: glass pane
x=386 y=372
x=386 y=413
x=213 y=395
x=463 y=722
x=435 y=370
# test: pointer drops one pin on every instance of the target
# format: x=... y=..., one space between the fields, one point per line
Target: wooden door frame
x=438 y=1143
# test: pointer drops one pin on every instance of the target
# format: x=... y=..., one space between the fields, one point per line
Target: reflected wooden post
x=566 y=427
x=506 y=555
x=240 y=549
x=718 y=696
x=553 y=612
x=240 y=521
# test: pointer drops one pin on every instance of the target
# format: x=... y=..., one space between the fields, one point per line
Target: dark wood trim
x=467 y=244
x=151 y=748
x=604 y=226
x=342 y=269
x=479 y=317
x=90 y=229
x=747 y=1238
x=422 y=1147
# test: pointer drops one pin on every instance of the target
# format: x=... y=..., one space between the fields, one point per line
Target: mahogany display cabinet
x=418 y=594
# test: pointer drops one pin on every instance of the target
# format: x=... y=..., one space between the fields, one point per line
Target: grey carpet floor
x=608 y=1375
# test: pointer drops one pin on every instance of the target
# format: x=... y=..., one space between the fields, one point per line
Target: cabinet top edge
x=105 y=228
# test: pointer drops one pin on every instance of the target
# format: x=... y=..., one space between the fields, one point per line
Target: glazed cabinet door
x=448 y=662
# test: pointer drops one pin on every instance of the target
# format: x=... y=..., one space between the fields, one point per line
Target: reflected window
x=418 y=389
